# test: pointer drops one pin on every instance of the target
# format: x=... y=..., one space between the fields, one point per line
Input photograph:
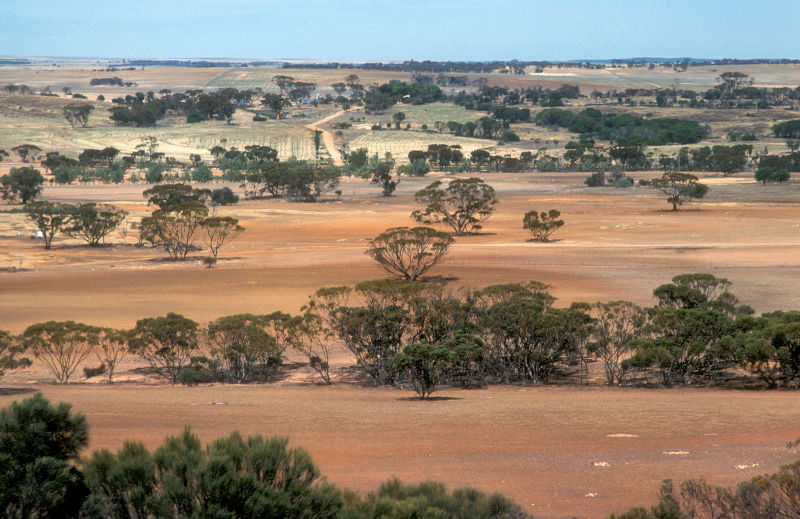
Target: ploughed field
x=558 y=450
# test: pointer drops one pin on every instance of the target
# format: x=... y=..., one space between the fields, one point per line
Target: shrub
x=202 y=173
x=224 y=196
x=624 y=182
x=596 y=180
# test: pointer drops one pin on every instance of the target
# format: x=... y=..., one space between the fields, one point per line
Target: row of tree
x=414 y=331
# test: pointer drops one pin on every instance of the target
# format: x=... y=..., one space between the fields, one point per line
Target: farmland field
x=558 y=450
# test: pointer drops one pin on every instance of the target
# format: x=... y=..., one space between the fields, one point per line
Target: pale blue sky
x=398 y=30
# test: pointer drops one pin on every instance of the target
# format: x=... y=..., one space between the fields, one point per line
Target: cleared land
x=616 y=244
x=558 y=450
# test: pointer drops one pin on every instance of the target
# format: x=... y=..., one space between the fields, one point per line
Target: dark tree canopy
x=39 y=447
x=23 y=183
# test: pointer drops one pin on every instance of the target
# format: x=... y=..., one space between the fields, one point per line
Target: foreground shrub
x=39 y=447
x=232 y=477
x=430 y=499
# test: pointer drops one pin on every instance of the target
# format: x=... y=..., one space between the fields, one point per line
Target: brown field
x=537 y=444
x=558 y=450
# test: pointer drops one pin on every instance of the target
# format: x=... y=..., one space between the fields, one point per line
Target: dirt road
x=327 y=137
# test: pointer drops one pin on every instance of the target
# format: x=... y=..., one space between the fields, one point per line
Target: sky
x=392 y=30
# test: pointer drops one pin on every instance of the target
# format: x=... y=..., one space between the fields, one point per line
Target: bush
x=224 y=196
x=202 y=173
x=415 y=168
x=39 y=445
x=155 y=173
x=509 y=136
x=596 y=180
x=201 y=370
x=194 y=117
x=624 y=182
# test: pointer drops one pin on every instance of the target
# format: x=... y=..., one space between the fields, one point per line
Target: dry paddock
x=559 y=451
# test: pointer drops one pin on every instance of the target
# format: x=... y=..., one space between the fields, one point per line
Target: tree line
x=420 y=333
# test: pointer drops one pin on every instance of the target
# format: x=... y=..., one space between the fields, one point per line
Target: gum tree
x=409 y=252
x=463 y=205
x=679 y=188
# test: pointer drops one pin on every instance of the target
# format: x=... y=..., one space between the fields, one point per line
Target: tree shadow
x=438 y=279
x=534 y=240
x=429 y=399
x=10 y=391
x=670 y=211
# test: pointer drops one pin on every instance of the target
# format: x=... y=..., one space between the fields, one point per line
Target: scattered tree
x=23 y=183
x=398 y=117
x=766 y=174
x=92 y=222
x=220 y=230
x=616 y=327
x=50 y=218
x=78 y=113
x=462 y=205
x=61 y=345
x=679 y=187
x=382 y=174
x=244 y=348
x=424 y=365
x=110 y=350
x=27 y=152
x=542 y=225
x=409 y=252
x=167 y=343
x=174 y=227
x=167 y=195
x=10 y=349
x=276 y=102
x=729 y=160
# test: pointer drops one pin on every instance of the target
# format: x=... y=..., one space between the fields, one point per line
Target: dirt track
x=327 y=137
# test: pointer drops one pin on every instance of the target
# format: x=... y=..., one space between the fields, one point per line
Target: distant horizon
x=397 y=30
x=356 y=61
